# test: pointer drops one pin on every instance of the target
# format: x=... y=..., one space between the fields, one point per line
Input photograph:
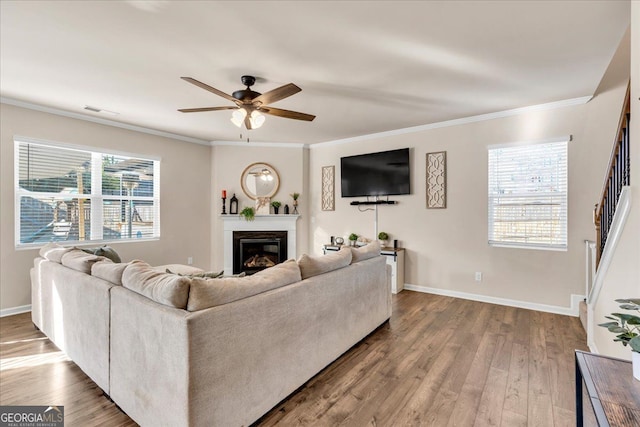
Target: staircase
x=609 y=216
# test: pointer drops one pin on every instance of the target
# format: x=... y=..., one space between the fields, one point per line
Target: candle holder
x=233 y=205
x=224 y=206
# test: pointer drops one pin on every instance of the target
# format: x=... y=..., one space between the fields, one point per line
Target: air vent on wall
x=99 y=110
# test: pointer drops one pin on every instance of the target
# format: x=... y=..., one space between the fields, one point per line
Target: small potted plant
x=248 y=213
x=352 y=239
x=276 y=206
x=383 y=237
x=627 y=330
x=295 y=197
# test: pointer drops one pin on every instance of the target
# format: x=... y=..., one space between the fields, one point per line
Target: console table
x=395 y=258
x=606 y=392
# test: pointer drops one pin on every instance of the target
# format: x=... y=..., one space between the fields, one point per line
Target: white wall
x=185 y=192
x=228 y=163
x=623 y=277
x=445 y=247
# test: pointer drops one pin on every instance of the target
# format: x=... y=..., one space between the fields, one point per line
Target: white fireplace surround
x=233 y=223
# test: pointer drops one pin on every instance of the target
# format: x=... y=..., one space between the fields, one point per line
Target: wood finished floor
x=438 y=362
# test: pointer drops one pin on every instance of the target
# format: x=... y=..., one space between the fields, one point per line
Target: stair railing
x=618 y=176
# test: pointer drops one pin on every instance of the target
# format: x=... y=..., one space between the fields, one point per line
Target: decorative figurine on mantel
x=286 y=209
x=295 y=197
x=233 y=205
x=262 y=205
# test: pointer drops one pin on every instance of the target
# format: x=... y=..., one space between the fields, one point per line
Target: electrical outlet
x=478 y=276
x=190 y=260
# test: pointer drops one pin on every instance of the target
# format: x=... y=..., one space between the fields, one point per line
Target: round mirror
x=260 y=180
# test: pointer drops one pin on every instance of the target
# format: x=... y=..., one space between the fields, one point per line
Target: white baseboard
x=574 y=310
x=15 y=310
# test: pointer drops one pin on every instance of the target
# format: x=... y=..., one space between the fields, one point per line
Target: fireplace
x=256 y=250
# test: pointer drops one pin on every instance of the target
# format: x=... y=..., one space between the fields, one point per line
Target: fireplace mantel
x=233 y=223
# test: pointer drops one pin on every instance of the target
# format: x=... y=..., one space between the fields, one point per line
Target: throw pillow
x=167 y=289
x=314 y=265
x=105 y=251
x=206 y=293
x=365 y=252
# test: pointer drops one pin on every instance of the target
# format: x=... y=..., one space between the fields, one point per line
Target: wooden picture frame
x=436 y=180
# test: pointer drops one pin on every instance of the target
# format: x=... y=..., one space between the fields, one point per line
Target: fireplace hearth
x=256 y=250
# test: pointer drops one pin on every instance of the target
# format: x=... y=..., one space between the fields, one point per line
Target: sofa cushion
x=105 y=251
x=178 y=269
x=202 y=275
x=370 y=250
x=207 y=293
x=161 y=287
x=109 y=271
x=313 y=265
x=80 y=261
x=53 y=252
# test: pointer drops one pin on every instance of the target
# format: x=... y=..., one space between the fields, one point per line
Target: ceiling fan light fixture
x=257 y=119
x=237 y=117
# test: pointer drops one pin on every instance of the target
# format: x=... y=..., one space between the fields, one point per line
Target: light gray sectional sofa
x=180 y=351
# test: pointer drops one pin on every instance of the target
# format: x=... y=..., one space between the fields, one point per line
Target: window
x=66 y=194
x=528 y=196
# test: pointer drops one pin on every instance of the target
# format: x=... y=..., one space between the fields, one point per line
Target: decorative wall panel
x=437 y=180
x=328 y=188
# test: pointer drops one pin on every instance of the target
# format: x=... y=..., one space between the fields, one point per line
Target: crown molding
x=458 y=122
x=107 y=122
x=413 y=129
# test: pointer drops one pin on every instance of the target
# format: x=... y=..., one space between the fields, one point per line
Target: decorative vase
x=276 y=209
x=295 y=207
x=635 y=362
x=383 y=243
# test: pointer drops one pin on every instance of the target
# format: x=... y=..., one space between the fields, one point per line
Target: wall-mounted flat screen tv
x=385 y=173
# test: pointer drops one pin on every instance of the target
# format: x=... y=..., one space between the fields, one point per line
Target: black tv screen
x=376 y=174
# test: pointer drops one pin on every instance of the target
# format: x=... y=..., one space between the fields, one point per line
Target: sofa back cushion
x=80 y=261
x=53 y=252
x=207 y=293
x=313 y=265
x=161 y=287
x=367 y=251
x=109 y=271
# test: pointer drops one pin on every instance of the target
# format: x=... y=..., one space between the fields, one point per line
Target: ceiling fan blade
x=287 y=114
x=209 y=88
x=276 y=94
x=198 y=110
x=247 y=122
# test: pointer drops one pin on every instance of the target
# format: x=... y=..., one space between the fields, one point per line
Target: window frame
x=95 y=198
x=562 y=246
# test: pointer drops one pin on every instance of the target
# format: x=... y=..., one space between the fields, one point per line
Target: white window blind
x=69 y=195
x=528 y=196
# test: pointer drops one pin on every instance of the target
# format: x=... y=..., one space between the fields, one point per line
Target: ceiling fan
x=250 y=104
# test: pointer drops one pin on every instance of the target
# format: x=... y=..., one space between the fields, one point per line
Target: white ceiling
x=364 y=67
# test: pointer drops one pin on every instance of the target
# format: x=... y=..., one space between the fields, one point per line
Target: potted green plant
x=627 y=330
x=383 y=237
x=248 y=213
x=276 y=206
x=295 y=197
x=352 y=239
